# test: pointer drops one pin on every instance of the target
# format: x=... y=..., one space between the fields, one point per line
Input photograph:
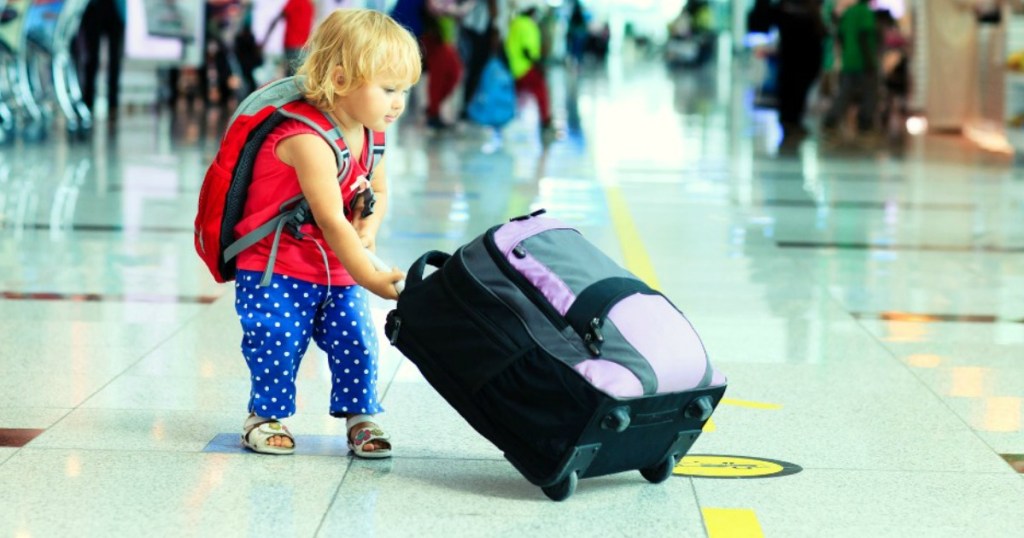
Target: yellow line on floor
x=731 y=523
x=720 y=522
x=633 y=252
x=749 y=403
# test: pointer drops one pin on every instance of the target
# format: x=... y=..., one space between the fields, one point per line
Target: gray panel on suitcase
x=566 y=344
x=577 y=267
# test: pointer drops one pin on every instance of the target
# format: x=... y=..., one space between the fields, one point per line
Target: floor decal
x=305 y=445
x=17 y=437
x=715 y=466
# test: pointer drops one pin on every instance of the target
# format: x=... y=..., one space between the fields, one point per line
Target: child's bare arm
x=314 y=164
x=368 y=227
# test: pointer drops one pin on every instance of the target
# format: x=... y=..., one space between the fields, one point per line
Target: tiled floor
x=865 y=302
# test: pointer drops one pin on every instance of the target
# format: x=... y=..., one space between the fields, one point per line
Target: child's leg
x=345 y=331
x=277 y=322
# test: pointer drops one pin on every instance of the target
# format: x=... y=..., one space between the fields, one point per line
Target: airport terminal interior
x=862 y=293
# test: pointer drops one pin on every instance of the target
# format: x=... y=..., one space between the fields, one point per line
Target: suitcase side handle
x=433 y=258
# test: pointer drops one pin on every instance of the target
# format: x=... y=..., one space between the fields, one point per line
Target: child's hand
x=382 y=283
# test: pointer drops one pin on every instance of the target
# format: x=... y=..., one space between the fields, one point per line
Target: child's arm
x=367 y=227
x=314 y=163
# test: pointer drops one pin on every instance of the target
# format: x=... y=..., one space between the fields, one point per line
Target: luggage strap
x=590 y=309
x=588 y=312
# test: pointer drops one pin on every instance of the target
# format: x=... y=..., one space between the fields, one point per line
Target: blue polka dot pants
x=278 y=321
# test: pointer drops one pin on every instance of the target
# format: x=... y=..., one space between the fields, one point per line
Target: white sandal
x=257 y=431
x=370 y=432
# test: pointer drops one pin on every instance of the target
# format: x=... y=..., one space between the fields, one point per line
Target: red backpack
x=226 y=185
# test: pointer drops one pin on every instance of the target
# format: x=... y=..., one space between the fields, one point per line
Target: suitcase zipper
x=524 y=285
x=590 y=310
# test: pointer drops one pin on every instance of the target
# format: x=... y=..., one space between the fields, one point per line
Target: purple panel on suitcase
x=610 y=377
x=663 y=336
x=512 y=233
x=649 y=323
x=547 y=282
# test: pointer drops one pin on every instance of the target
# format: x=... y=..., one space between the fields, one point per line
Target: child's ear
x=338 y=77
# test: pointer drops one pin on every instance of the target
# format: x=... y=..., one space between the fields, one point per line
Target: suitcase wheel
x=660 y=473
x=617 y=420
x=561 y=491
x=700 y=409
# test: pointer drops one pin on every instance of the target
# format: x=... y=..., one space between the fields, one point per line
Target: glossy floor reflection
x=865 y=301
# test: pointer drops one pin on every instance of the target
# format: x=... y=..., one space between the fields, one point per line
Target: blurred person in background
x=858 y=76
x=410 y=14
x=829 y=74
x=102 y=19
x=215 y=75
x=248 y=51
x=894 y=69
x=576 y=34
x=802 y=33
x=523 y=48
x=479 y=39
x=298 y=17
x=691 y=35
x=444 y=67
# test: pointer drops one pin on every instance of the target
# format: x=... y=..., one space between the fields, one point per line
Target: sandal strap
x=367 y=434
x=270 y=428
x=355 y=420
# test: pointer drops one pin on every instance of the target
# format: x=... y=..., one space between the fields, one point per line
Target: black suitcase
x=535 y=382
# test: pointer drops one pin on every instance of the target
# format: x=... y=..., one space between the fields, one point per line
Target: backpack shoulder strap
x=276 y=94
x=285 y=96
x=315 y=119
x=377 y=141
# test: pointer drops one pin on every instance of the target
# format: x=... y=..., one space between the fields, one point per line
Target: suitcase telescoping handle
x=381 y=266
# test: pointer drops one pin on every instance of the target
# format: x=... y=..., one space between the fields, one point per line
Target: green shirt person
x=858 y=37
x=858 y=79
x=523 y=45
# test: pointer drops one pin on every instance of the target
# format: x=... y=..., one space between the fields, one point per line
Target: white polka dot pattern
x=267 y=340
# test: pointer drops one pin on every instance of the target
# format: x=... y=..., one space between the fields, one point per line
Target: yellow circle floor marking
x=714 y=466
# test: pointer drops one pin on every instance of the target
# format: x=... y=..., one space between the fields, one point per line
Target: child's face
x=377 y=103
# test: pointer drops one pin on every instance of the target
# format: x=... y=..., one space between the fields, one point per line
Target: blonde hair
x=365 y=44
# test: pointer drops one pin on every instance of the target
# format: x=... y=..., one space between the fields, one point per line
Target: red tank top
x=273 y=182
